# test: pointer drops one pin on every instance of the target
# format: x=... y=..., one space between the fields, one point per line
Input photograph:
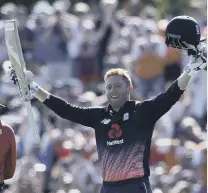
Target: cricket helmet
x=183 y=32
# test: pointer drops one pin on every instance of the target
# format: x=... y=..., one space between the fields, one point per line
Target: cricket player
x=124 y=128
x=8 y=153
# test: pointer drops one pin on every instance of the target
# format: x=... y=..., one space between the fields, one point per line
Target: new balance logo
x=115 y=142
x=105 y=121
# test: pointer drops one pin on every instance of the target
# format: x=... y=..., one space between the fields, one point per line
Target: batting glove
x=30 y=79
x=29 y=76
x=196 y=63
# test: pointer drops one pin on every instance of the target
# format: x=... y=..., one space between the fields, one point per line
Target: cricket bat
x=18 y=63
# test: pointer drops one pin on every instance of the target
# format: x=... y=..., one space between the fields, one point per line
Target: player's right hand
x=13 y=76
x=29 y=76
x=30 y=80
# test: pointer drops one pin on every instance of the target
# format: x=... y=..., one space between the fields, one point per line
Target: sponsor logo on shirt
x=115 y=131
x=115 y=142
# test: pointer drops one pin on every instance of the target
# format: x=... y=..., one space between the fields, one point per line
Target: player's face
x=117 y=91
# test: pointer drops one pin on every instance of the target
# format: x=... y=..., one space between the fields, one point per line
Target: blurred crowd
x=69 y=47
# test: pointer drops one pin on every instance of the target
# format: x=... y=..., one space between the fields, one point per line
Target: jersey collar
x=127 y=107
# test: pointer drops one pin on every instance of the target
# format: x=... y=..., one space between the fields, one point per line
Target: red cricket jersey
x=8 y=152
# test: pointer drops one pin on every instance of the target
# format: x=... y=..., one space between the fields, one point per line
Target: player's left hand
x=197 y=63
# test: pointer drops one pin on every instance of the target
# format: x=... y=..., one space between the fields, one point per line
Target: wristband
x=189 y=71
x=34 y=87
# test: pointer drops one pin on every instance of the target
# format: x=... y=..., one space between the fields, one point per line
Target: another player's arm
x=11 y=156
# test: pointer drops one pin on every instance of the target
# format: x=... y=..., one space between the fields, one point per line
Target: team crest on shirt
x=125 y=116
x=0 y=131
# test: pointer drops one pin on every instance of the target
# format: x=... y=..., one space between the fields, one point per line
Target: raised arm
x=161 y=104
x=84 y=116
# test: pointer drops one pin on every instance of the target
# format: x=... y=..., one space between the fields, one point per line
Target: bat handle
x=31 y=121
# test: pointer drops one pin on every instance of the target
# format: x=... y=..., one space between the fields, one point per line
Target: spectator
x=148 y=54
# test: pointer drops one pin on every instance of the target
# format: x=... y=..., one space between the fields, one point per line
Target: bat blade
x=17 y=61
x=16 y=57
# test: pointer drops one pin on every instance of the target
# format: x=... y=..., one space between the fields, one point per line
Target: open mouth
x=114 y=97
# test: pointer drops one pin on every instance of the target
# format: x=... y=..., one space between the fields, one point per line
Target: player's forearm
x=60 y=107
x=183 y=80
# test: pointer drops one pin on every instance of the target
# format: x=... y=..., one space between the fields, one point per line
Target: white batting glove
x=30 y=79
x=196 y=63
x=29 y=76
